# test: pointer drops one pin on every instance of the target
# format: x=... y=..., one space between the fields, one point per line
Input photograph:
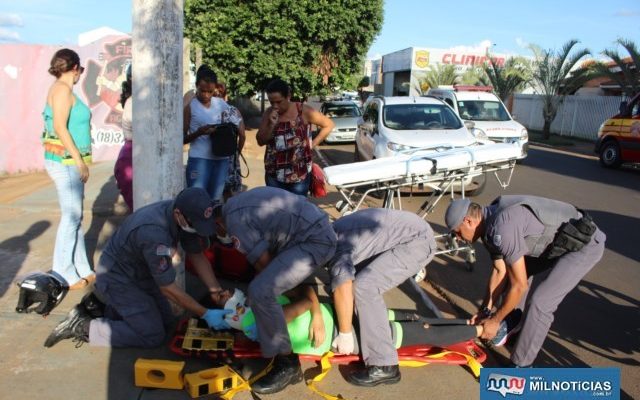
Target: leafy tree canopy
x=309 y=43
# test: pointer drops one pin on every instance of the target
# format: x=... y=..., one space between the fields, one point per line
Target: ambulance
x=619 y=136
x=484 y=114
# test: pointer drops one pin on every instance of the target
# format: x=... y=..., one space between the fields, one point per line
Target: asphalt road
x=598 y=323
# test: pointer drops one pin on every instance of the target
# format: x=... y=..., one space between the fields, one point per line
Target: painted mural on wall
x=24 y=81
x=101 y=88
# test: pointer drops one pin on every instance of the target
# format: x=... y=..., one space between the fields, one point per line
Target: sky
x=504 y=26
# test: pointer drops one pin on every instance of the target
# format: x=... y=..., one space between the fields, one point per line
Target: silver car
x=395 y=124
x=345 y=115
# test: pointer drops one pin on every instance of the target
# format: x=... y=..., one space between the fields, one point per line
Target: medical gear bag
x=226 y=262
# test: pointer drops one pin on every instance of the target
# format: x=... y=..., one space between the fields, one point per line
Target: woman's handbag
x=318 y=184
x=224 y=140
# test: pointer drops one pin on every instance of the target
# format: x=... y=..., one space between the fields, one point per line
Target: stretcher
x=457 y=354
x=443 y=171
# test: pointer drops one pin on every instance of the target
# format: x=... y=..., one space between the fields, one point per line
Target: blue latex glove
x=215 y=319
x=251 y=332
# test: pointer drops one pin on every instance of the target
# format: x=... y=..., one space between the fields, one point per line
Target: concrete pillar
x=157 y=95
x=186 y=65
x=158 y=172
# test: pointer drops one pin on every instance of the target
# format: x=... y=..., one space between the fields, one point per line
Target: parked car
x=619 y=136
x=345 y=115
x=393 y=124
x=490 y=117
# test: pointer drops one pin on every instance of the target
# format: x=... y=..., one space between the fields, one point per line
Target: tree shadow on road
x=14 y=251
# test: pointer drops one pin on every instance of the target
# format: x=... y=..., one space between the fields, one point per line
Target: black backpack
x=224 y=141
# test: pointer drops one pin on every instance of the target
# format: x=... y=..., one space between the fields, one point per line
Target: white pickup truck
x=490 y=117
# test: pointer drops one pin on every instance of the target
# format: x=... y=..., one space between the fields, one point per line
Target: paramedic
x=286 y=238
x=377 y=250
x=528 y=235
x=135 y=276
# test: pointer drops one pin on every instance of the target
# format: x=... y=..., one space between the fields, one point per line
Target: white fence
x=578 y=116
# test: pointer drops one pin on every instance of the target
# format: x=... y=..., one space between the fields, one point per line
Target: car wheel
x=356 y=153
x=478 y=185
x=610 y=155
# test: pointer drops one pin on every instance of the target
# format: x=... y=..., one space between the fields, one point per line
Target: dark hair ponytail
x=126 y=87
x=63 y=61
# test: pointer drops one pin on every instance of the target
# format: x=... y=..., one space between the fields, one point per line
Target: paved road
x=598 y=324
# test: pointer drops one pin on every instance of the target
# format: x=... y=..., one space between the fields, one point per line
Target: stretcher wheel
x=421 y=275
x=452 y=245
x=343 y=207
x=470 y=259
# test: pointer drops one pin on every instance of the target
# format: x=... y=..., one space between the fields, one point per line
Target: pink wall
x=24 y=82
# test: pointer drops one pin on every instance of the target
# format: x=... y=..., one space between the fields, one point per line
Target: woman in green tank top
x=67 y=151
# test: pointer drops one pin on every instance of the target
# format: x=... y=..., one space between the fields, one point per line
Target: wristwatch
x=484 y=312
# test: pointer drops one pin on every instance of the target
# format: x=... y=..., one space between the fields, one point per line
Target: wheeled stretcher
x=440 y=170
x=443 y=171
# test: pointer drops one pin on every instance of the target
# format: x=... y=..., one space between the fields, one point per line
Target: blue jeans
x=301 y=188
x=210 y=175
x=69 y=255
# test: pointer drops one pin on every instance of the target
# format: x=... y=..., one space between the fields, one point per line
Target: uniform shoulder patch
x=163 y=250
x=497 y=240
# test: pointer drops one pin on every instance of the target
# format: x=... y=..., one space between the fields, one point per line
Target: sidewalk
x=29 y=215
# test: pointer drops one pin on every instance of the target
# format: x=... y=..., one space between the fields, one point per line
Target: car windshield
x=420 y=116
x=342 y=111
x=480 y=110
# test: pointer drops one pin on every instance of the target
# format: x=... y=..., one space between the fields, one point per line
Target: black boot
x=374 y=375
x=93 y=305
x=286 y=370
x=75 y=326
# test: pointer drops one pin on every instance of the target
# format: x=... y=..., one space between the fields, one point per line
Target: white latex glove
x=343 y=343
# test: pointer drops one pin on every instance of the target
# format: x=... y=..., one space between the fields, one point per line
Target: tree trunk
x=546 y=129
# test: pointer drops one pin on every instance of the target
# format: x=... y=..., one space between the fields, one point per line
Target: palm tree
x=440 y=74
x=476 y=77
x=555 y=75
x=510 y=78
x=629 y=80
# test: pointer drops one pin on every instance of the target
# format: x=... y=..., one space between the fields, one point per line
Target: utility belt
x=572 y=236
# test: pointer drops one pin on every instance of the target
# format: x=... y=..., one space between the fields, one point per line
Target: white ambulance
x=490 y=118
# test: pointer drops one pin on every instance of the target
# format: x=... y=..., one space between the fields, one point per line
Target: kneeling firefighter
x=527 y=236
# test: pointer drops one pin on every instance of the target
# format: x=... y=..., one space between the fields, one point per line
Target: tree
x=436 y=76
x=475 y=77
x=510 y=78
x=556 y=75
x=307 y=43
x=628 y=76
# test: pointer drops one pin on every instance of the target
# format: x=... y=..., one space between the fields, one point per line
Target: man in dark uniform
x=527 y=235
x=377 y=250
x=135 y=276
x=286 y=238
